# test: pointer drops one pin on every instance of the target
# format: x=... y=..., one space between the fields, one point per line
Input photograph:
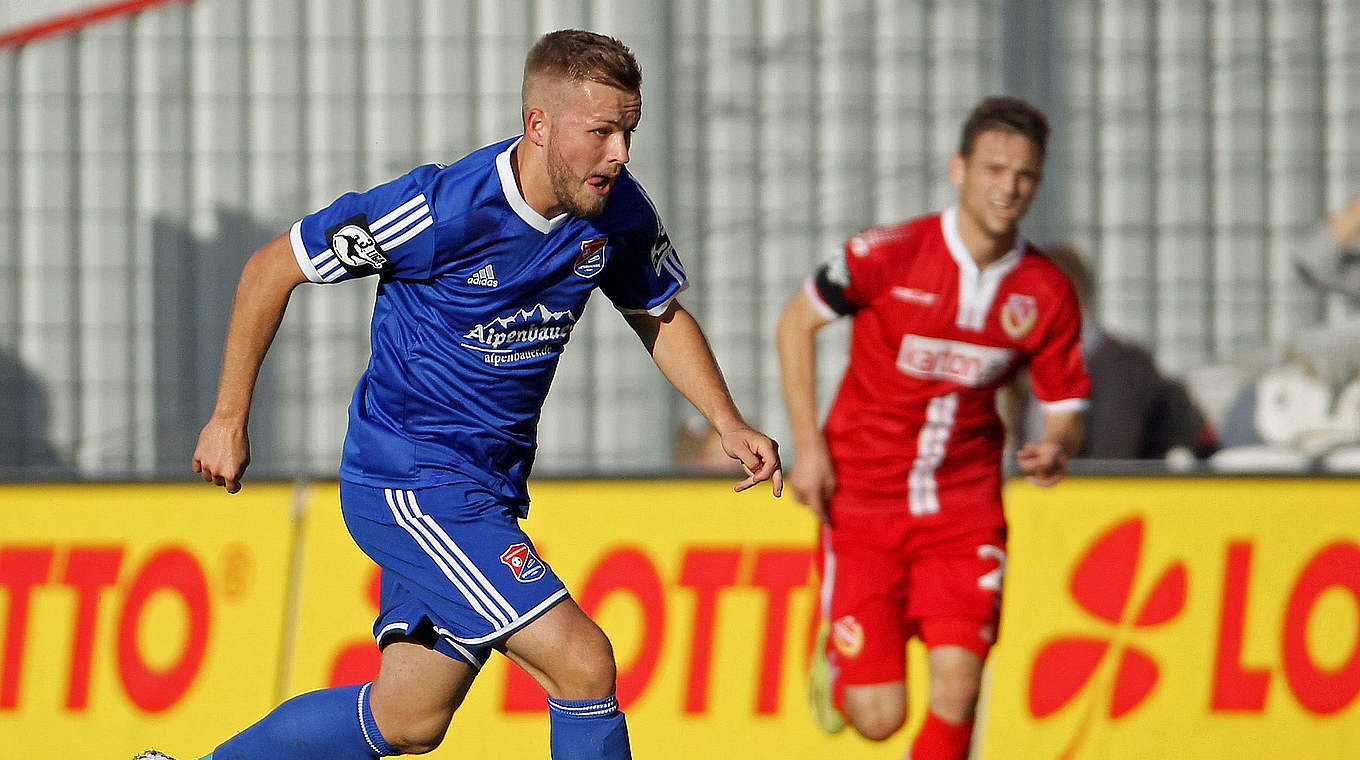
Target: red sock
x=941 y=740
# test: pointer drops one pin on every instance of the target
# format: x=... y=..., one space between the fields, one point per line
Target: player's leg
x=405 y=710
x=572 y=659
x=566 y=652
x=475 y=578
x=956 y=598
x=955 y=679
x=416 y=693
x=877 y=711
x=863 y=577
x=422 y=678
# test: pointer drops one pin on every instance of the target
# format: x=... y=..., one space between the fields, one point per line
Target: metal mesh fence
x=143 y=158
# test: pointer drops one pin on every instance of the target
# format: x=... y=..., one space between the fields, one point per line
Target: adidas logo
x=486 y=277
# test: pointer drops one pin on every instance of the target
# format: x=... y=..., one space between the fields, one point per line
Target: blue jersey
x=477 y=296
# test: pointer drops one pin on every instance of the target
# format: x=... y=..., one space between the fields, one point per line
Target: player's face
x=997 y=182
x=587 y=146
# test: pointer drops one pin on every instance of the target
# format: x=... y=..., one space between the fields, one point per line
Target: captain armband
x=831 y=289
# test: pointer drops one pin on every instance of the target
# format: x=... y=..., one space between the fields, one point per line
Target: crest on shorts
x=590 y=260
x=847 y=635
x=1018 y=315
x=522 y=562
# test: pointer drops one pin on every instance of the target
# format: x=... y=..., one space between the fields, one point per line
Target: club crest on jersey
x=354 y=245
x=591 y=259
x=1018 y=315
x=522 y=562
x=847 y=635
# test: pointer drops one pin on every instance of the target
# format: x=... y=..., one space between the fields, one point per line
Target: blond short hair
x=575 y=55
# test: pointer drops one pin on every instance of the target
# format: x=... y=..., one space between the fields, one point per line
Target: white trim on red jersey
x=931 y=444
x=977 y=288
x=1064 y=405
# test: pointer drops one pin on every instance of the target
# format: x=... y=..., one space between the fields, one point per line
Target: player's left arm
x=680 y=350
x=1044 y=462
x=1061 y=384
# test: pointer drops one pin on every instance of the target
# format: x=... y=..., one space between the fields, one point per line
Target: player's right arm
x=813 y=479
x=267 y=281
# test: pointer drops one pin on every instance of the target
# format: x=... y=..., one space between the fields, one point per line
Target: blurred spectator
x=1329 y=259
x=25 y=451
x=1305 y=397
x=1135 y=412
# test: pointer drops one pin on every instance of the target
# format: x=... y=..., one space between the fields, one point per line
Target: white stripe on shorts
x=517 y=623
x=465 y=561
x=828 y=573
x=456 y=574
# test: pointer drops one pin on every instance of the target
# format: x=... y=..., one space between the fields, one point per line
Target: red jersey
x=914 y=423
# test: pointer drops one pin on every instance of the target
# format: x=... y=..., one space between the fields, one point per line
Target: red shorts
x=889 y=576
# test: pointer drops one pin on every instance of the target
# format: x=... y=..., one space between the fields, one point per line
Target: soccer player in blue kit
x=484 y=268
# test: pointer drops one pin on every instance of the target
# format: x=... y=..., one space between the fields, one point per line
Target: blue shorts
x=458 y=574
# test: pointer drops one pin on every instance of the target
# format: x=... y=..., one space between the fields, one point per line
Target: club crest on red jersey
x=591 y=259
x=522 y=562
x=1019 y=314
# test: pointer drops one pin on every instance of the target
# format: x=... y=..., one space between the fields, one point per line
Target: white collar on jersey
x=520 y=206
x=977 y=287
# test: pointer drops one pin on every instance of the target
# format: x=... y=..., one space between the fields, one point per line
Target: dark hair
x=1008 y=114
x=576 y=55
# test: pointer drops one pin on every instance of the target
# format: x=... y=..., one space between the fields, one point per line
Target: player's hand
x=759 y=457
x=814 y=481
x=223 y=453
x=1043 y=463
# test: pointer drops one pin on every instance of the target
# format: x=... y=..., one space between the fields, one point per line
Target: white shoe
x=152 y=754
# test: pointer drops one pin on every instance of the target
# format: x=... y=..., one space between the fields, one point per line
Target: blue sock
x=334 y=724
x=590 y=729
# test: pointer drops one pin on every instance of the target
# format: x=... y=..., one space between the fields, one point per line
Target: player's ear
x=536 y=126
x=957 y=169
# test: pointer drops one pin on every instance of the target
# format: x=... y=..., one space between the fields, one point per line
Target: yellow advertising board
x=137 y=615
x=1179 y=618
x=1143 y=618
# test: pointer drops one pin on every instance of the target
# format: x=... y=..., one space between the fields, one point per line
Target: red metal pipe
x=70 y=22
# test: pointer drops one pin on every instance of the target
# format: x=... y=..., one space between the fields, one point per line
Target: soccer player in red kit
x=906 y=477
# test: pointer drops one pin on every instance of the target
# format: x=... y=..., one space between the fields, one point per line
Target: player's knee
x=596 y=671
x=411 y=726
x=417 y=735
x=877 y=721
x=877 y=727
x=584 y=668
x=954 y=698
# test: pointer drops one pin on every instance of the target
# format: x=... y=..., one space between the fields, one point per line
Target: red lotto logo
x=1103 y=584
